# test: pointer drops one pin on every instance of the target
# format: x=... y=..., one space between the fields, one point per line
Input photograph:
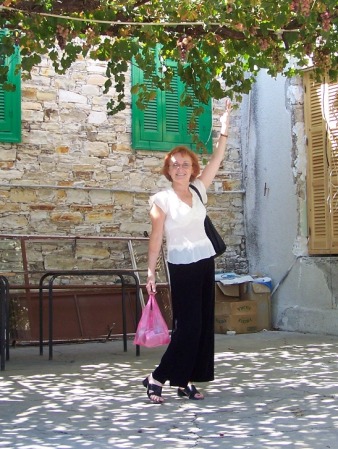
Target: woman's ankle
x=154 y=381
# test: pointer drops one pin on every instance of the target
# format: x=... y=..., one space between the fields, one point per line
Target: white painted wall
x=274 y=161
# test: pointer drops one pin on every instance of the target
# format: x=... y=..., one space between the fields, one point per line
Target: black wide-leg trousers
x=190 y=354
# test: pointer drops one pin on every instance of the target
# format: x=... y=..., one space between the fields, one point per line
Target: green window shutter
x=203 y=126
x=147 y=124
x=175 y=116
x=164 y=124
x=172 y=112
x=10 y=102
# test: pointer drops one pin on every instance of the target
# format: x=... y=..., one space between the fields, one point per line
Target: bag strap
x=197 y=191
x=151 y=300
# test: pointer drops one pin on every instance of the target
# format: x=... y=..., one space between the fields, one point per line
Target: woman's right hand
x=151 y=285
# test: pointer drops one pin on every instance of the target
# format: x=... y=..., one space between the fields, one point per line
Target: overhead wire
x=278 y=32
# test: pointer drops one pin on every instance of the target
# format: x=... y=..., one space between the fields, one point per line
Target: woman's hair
x=184 y=151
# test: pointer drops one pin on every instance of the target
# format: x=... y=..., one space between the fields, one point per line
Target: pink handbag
x=152 y=329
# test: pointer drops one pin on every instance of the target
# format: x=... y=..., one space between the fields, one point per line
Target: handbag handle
x=151 y=299
x=197 y=191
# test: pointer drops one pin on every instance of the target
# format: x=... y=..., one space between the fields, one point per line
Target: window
x=321 y=123
x=10 y=101
x=164 y=124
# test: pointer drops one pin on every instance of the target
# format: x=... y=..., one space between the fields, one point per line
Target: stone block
x=67 y=217
x=7 y=154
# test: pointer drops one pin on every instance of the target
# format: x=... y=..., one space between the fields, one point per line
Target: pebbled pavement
x=273 y=389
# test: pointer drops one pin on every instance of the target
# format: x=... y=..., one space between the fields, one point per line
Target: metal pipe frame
x=51 y=276
x=4 y=321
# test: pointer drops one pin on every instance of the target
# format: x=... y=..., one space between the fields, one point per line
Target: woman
x=179 y=214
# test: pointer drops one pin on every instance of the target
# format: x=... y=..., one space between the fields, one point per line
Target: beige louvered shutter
x=332 y=134
x=322 y=168
x=317 y=175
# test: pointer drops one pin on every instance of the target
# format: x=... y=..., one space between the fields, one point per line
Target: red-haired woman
x=178 y=214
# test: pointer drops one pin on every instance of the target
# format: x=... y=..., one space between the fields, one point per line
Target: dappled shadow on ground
x=278 y=397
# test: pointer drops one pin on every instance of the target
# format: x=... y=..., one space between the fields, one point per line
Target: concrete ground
x=272 y=390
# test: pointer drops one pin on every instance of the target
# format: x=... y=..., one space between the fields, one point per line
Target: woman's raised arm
x=217 y=157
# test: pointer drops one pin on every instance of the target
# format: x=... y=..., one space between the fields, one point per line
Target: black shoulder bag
x=210 y=230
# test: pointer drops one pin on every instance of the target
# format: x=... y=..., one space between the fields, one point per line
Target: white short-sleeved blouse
x=186 y=239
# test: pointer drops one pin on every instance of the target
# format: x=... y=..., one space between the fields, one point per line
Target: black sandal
x=153 y=390
x=190 y=391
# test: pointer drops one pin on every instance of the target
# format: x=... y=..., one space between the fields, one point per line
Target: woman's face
x=180 y=167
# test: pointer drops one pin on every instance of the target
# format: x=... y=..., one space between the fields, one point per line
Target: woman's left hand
x=225 y=118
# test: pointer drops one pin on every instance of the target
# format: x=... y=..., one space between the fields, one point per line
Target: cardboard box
x=261 y=295
x=242 y=308
x=232 y=313
x=237 y=307
x=230 y=292
x=241 y=324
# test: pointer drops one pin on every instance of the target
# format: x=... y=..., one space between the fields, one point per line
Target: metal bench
x=47 y=283
x=4 y=321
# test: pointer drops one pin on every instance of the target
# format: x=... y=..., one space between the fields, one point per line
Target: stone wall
x=75 y=172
